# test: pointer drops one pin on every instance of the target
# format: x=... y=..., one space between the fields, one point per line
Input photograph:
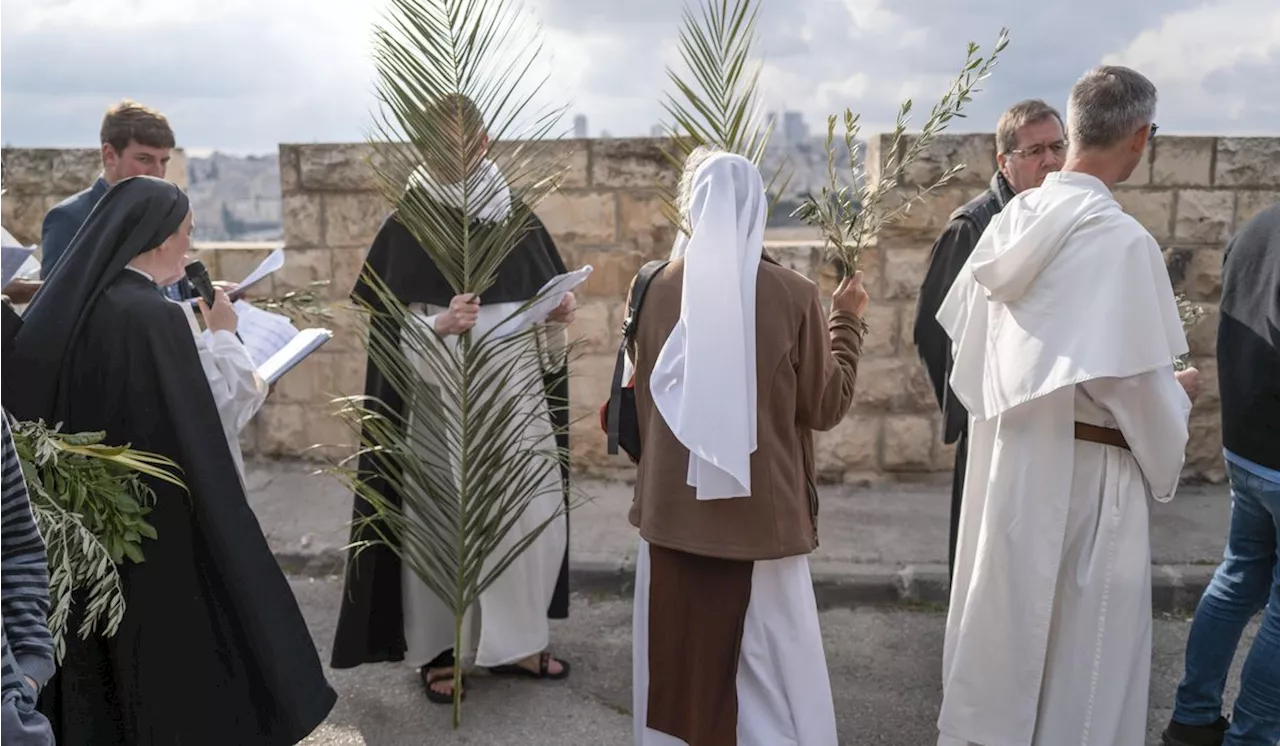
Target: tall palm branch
x=851 y=217
x=716 y=103
x=462 y=456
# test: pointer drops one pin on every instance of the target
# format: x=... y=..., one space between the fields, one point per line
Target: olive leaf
x=90 y=503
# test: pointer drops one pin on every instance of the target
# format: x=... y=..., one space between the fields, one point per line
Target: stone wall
x=1190 y=192
x=36 y=179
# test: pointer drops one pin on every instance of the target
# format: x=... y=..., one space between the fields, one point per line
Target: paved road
x=883 y=664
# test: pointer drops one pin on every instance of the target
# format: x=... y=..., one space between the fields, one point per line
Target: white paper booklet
x=275 y=345
x=16 y=257
x=306 y=342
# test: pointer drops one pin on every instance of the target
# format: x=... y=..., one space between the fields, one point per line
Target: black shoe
x=1178 y=734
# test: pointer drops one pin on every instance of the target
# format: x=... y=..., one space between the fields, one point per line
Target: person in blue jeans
x=1248 y=580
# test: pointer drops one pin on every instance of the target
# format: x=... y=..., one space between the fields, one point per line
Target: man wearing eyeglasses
x=1030 y=145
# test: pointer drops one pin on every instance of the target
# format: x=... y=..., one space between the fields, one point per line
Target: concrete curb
x=1175 y=589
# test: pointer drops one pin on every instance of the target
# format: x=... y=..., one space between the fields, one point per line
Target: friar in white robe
x=1065 y=332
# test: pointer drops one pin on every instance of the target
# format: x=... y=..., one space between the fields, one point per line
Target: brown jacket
x=806 y=366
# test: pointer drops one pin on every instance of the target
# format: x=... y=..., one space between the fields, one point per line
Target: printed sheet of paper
x=264 y=333
x=273 y=262
x=304 y=343
x=552 y=292
x=16 y=256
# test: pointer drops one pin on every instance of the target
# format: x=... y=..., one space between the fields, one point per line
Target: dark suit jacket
x=62 y=223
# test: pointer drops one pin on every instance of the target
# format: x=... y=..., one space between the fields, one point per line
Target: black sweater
x=1249 y=341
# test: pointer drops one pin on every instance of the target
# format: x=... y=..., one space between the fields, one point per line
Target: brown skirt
x=697 y=609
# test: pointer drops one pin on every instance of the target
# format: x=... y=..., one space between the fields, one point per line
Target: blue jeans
x=1247 y=579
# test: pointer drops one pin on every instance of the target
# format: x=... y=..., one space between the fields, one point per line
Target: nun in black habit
x=212 y=648
x=387 y=613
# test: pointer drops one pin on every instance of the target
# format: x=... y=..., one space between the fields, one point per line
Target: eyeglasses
x=1151 y=135
x=1038 y=150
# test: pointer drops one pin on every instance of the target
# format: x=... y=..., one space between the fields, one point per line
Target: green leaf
x=715 y=103
x=847 y=226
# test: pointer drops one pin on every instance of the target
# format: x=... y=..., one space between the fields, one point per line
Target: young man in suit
x=136 y=141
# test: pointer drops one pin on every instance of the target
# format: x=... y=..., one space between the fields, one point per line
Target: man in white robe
x=1065 y=331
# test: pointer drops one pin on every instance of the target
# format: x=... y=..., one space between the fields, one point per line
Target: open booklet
x=275 y=345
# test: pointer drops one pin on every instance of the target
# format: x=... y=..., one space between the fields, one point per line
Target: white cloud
x=247 y=74
x=1219 y=61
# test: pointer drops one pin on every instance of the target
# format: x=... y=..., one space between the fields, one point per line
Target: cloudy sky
x=244 y=75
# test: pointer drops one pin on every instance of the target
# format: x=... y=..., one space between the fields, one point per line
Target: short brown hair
x=129 y=121
x=1018 y=116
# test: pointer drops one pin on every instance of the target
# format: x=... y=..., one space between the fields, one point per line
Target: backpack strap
x=638 y=290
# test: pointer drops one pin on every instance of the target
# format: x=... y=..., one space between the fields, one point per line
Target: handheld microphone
x=198 y=276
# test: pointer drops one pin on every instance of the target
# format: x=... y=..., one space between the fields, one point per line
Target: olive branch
x=850 y=218
x=90 y=505
x=1190 y=315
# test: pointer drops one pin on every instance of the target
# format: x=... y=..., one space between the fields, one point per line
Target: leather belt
x=1103 y=435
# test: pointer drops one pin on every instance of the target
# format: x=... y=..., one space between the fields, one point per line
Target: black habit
x=213 y=648
x=371 y=619
x=950 y=252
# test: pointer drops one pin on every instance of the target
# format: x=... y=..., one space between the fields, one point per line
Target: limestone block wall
x=36 y=179
x=1192 y=193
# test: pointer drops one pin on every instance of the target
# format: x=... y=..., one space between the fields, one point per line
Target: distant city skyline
x=244 y=76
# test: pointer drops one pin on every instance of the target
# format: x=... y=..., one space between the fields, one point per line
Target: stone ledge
x=1174 y=588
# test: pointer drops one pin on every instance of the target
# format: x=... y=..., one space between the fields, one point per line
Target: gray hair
x=1108 y=104
x=684 y=197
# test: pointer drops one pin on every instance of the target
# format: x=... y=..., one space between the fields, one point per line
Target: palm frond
x=715 y=102
x=851 y=218
x=467 y=455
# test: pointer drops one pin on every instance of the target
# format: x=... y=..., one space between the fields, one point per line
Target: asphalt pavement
x=883 y=662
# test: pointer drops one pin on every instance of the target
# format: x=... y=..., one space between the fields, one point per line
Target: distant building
x=794 y=130
x=580 y=126
x=658 y=130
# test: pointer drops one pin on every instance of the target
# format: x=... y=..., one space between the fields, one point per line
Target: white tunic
x=512 y=621
x=1064 y=313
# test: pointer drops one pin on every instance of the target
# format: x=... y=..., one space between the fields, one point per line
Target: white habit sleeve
x=1151 y=409
x=237 y=388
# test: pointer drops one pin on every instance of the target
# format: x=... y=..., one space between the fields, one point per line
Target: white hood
x=1063 y=287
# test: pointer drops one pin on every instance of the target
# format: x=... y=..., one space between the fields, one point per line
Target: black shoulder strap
x=638 y=290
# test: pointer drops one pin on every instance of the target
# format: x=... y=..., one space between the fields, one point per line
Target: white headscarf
x=704 y=381
x=487 y=184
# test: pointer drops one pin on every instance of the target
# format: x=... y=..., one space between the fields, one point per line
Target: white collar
x=485 y=184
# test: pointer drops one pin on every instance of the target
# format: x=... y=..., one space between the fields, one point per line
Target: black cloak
x=213 y=648
x=950 y=252
x=371 y=619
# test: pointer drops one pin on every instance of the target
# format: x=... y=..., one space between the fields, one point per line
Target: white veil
x=704 y=380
